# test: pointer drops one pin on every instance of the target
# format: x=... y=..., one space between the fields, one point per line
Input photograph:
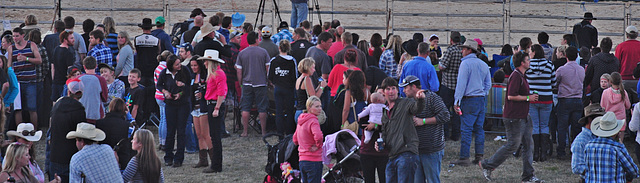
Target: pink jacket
x=612 y=102
x=308 y=134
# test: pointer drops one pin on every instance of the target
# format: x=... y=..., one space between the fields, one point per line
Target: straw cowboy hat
x=206 y=29
x=87 y=131
x=26 y=131
x=212 y=55
x=593 y=110
x=471 y=44
x=607 y=125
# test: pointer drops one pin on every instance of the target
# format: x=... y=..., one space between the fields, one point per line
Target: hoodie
x=612 y=102
x=599 y=64
x=308 y=134
x=65 y=115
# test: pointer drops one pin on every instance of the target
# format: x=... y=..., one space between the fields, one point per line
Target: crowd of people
x=404 y=99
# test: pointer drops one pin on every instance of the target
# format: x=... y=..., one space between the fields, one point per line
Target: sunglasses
x=28 y=133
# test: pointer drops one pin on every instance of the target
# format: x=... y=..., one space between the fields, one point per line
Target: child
x=616 y=99
x=374 y=111
x=308 y=137
x=134 y=94
x=605 y=82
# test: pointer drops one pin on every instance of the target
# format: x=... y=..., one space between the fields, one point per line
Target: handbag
x=353 y=126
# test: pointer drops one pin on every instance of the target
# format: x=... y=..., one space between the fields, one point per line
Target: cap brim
x=33 y=138
x=403 y=84
x=608 y=133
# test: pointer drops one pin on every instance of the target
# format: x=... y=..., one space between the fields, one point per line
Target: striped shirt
x=131 y=173
x=156 y=73
x=541 y=77
x=25 y=70
x=431 y=136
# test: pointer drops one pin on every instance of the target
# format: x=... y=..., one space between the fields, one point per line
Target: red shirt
x=335 y=48
x=336 y=76
x=216 y=86
x=628 y=53
x=518 y=85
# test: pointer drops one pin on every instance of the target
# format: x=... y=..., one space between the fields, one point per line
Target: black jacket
x=586 y=34
x=209 y=43
x=299 y=49
x=167 y=82
x=65 y=116
x=117 y=130
x=600 y=64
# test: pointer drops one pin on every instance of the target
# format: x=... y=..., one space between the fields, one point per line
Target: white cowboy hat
x=607 y=125
x=212 y=55
x=206 y=29
x=87 y=131
x=26 y=131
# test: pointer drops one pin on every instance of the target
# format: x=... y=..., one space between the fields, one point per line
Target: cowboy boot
x=536 y=147
x=546 y=146
x=477 y=159
x=210 y=168
x=203 y=162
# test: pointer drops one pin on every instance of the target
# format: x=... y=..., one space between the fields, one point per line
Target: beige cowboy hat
x=206 y=29
x=607 y=125
x=213 y=55
x=87 y=131
x=26 y=131
x=471 y=44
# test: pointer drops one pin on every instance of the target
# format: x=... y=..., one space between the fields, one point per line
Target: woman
x=31 y=136
x=173 y=82
x=304 y=85
x=111 y=37
x=215 y=96
x=162 y=129
x=283 y=74
x=376 y=48
x=10 y=89
x=355 y=97
x=246 y=28
x=124 y=58
x=150 y=167
x=336 y=74
x=308 y=137
x=363 y=46
x=561 y=56
x=7 y=42
x=391 y=57
x=199 y=113
x=115 y=86
x=115 y=125
x=15 y=165
x=541 y=78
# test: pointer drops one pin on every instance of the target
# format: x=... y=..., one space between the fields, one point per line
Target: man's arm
x=36 y=53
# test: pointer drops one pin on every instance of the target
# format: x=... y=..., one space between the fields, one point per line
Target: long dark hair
x=376 y=43
x=171 y=59
x=355 y=84
x=148 y=161
x=616 y=79
x=538 y=51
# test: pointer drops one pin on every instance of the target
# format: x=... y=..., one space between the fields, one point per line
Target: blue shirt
x=388 y=64
x=165 y=39
x=421 y=68
x=578 y=161
x=608 y=161
x=97 y=162
x=473 y=78
x=102 y=53
x=282 y=35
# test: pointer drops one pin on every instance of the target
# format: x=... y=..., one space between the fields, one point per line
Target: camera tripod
x=261 y=12
x=317 y=10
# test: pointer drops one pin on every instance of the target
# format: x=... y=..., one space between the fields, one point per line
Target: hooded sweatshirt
x=612 y=101
x=599 y=64
x=65 y=115
x=308 y=134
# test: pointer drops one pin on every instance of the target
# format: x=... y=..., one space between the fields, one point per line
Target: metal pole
x=111 y=8
x=504 y=18
x=59 y=9
x=447 y=19
x=393 y=31
x=331 y=12
x=566 y=19
x=387 y=17
x=509 y=22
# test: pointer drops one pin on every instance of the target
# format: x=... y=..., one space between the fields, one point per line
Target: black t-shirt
x=134 y=96
x=299 y=49
x=62 y=58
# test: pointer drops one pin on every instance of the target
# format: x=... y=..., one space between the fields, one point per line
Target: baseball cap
x=266 y=31
x=160 y=20
x=408 y=80
x=186 y=46
x=74 y=85
x=631 y=28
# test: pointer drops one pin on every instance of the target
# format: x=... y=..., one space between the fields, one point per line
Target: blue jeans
x=540 y=116
x=285 y=110
x=162 y=129
x=311 y=171
x=192 y=139
x=401 y=168
x=569 y=112
x=29 y=92
x=429 y=167
x=472 y=121
x=298 y=113
x=447 y=97
x=177 y=116
x=298 y=13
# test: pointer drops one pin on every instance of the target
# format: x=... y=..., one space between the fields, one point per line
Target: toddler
x=374 y=111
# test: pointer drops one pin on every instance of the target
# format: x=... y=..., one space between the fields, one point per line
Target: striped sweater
x=541 y=77
x=432 y=136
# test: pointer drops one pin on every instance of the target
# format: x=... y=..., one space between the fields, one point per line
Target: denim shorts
x=254 y=95
x=197 y=113
x=29 y=93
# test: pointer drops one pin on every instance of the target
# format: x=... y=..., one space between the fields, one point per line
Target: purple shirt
x=569 y=78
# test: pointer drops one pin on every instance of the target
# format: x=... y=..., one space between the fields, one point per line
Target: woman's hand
x=179 y=83
x=323 y=83
x=167 y=94
x=215 y=113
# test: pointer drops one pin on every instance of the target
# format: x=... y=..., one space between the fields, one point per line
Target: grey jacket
x=398 y=131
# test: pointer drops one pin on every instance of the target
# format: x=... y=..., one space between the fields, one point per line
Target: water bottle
x=380 y=144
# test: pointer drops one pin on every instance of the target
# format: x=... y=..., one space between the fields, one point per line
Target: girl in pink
x=616 y=99
x=308 y=137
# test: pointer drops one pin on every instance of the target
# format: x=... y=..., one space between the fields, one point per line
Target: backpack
x=177 y=30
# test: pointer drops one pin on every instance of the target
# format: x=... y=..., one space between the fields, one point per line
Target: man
x=474 y=82
x=165 y=39
x=607 y=159
x=24 y=58
x=93 y=162
x=65 y=114
x=224 y=28
x=347 y=38
x=601 y=63
x=62 y=58
x=95 y=91
x=337 y=45
x=267 y=44
x=543 y=40
x=306 y=25
x=399 y=133
x=79 y=45
x=147 y=48
x=283 y=33
x=51 y=41
x=449 y=65
x=421 y=67
x=628 y=52
x=569 y=78
x=187 y=36
x=586 y=33
x=195 y=12
x=185 y=52
x=319 y=54
x=429 y=123
x=300 y=46
x=99 y=51
x=299 y=10
x=517 y=125
x=251 y=67
x=592 y=113
x=207 y=35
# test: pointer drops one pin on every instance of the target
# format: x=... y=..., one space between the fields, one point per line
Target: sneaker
x=533 y=179
x=461 y=162
x=485 y=172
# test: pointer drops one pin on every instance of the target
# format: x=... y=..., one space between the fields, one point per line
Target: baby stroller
x=343 y=147
x=283 y=151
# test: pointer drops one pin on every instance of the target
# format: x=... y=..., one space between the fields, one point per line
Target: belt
x=212 y=102
x=472 y=96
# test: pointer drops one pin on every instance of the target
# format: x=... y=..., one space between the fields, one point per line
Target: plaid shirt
x=102 y=54
x=388 y=64
x=314 y=39
x=578 y=161
x=282 y=35
x=43 y=69
x=450 y=64
x=608 y=161
x=97 y=162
